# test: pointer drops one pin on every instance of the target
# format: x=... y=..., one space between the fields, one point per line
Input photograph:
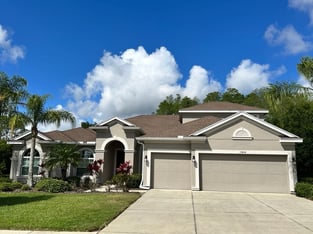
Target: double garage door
x=245 y=173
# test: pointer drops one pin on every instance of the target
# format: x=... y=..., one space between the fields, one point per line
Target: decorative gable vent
x=242 y=134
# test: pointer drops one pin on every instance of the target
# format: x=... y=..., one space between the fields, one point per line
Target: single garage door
x=245 y=173
x=171 y=171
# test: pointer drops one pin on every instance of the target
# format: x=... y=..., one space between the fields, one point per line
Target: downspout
x=142 y=165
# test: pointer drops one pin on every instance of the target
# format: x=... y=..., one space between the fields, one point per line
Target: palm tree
x=62 y=155
x=35 y=114
x=12 y=92
x=305 y=68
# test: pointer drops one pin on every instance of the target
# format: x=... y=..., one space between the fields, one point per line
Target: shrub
x=6 y=187
x=9 y=186
x=74 y=181
x=16 y=185
x=25 y=187
x=304 y=190
x=5 y=179
x=53 y=186
x=133 y=181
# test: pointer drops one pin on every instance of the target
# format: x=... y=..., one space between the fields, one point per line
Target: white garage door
x=171 y=171
x=245 y=173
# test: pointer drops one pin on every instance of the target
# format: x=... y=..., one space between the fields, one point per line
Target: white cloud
x=249 y=76
x=288 y=38
x=200 y=83
x=132 y=83
x=303 y=81
x=303 y=5
x=9 y=52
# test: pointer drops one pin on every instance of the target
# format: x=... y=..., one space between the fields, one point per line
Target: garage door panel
x=171 y=171
x=253 y=173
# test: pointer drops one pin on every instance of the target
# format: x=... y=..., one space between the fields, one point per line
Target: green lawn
x=61 y=212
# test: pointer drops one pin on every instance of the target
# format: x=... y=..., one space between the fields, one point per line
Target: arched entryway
x=114 y=155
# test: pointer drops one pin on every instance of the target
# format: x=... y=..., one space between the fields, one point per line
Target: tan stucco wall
x=261 y=138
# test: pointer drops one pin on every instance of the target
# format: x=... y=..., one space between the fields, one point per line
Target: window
x=242 y=134
x=87 y=157
x=25 y=162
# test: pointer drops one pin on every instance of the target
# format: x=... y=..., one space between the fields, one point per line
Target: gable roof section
x=169 y=125
x=222 y=107
x=114 y=120
x=154 y=125
x=250 y=117
x=28 y=133
x=73 y=135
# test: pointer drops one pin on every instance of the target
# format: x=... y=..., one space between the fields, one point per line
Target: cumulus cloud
x=8 y=51
x=303 y=81
x=134 y=82
x=303 y=5
x=200 y=83
x=249 y=76
x=288 y=38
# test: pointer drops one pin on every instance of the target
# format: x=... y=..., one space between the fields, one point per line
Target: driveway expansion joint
x=281 y=213
x=194 y=214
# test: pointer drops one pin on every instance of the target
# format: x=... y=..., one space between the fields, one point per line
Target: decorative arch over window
x=25 y=162
x=242 y=134
x=87 y=157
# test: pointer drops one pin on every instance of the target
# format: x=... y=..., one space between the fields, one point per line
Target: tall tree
x=35 y=114
x=305 y=67
x=213 y=96
x=172 y=105
x=291 y=108
x=12 y=92
x=62 y=155
x=233 y=95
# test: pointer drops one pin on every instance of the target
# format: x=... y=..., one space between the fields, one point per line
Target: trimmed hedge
x=53 y=186
x=9 y=186
x=304 y=189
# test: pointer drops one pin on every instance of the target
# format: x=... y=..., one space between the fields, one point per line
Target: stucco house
x=218 y=146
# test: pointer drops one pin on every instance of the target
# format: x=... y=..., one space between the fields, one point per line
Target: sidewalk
x=43 y=232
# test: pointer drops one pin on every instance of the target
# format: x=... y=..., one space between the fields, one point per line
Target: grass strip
x=61 y=212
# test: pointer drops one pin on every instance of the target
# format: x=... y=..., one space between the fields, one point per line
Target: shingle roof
x=154 y=125
x=73 y=135
x=222 y=106
x=169 y=125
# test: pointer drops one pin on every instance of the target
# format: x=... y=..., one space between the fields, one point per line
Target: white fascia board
x=248 y=116
x=291 y=140
x=117 y=119
x=171 y=139
x=23 y=135
x=40 y=135
x=224 y=111
x=15 y=142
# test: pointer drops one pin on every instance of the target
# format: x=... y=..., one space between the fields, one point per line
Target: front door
x=119 y=158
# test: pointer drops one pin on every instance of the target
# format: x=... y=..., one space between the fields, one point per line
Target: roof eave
x=224 y=111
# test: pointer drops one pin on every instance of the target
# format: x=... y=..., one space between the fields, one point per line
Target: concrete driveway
x=164 y=211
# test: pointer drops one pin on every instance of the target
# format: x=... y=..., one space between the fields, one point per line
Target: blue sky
x=100 y=59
